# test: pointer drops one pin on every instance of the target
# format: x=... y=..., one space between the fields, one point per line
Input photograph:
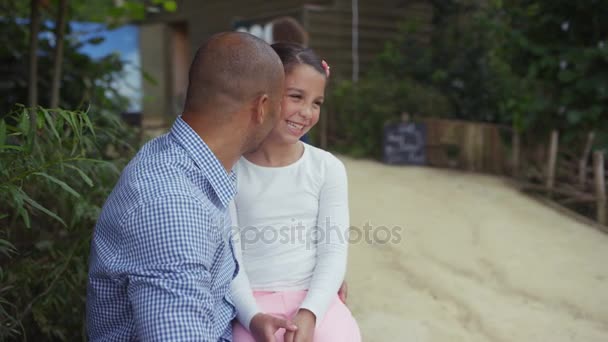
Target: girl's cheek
x=316 y=117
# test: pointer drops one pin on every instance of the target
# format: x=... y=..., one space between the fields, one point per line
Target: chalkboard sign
x=404 y=143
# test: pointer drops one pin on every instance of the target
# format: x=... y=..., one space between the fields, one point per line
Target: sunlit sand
x=476 y=261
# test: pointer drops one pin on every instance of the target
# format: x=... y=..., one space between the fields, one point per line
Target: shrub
x=54 y=175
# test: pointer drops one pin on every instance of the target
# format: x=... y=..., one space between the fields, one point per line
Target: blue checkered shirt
x=161 y=259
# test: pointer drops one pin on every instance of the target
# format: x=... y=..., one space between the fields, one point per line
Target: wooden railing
x=568 y=177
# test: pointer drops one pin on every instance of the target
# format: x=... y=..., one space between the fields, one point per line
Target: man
x=161 y=257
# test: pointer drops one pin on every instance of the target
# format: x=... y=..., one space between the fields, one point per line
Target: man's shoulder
x=161 y=164
x=159 y=170
x=161 y=156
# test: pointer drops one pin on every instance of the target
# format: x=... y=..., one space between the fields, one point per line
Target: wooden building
x=168 y=40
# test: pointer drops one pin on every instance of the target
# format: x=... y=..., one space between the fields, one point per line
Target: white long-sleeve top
x=293 y=230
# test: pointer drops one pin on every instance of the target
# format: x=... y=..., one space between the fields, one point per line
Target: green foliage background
x=533 y=65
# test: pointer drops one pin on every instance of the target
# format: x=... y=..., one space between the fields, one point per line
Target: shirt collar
x=222 y=182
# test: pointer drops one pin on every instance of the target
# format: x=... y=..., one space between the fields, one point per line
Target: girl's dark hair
x=288 y=30
x=292 y=54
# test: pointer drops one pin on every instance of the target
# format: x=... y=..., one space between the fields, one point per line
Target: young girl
x=292 y=212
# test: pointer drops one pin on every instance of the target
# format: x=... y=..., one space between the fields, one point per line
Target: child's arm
x=333 y=220
x=242 y=295
x=265 y=326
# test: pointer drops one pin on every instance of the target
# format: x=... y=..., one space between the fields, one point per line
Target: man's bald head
x=230 y=70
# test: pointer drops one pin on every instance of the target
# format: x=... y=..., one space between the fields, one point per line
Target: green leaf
x=11 y=147
x=88 y=123
x=135 y=10
x=38 y=206
x=149 y=78
x=59 y=123
x=83 y=175
x=51 y=123
x=170 y=6
x=66 y=117
x=70 y=118
x=2 y=132
x=62 y=184
x=39 y=120
x=24 y=122
x=26 y=217
x=6 y=247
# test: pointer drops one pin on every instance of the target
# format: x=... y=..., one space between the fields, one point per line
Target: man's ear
x=260 y=111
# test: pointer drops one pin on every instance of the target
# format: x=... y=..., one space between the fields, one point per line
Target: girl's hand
x=343 y=292
x=305 y=320
x=264 y=326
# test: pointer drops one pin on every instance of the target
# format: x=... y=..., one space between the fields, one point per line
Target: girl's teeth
x=294 y=125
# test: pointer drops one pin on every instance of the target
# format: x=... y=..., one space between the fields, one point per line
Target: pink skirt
x=338 y=324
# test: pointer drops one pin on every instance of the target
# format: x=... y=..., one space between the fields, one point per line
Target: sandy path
x=477 y=261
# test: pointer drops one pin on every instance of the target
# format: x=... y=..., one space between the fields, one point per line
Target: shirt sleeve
x=167 y=249
x=242 y=294
x=332 y=244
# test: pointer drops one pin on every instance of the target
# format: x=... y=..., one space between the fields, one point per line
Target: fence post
x=552 y=162
x=600 y=186
x=582 y=164
x=516 y=153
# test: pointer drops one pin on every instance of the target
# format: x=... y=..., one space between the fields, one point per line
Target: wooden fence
x=467 y=145
x=569 y=177
x=573 y=178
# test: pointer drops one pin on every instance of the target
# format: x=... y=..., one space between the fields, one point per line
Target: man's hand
x=264 y=326
x=343 y=292
x=305 y=320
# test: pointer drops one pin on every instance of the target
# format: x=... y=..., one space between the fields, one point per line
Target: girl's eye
x=295 y=96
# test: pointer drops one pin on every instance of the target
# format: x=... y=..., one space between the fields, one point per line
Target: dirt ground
x=474 y=260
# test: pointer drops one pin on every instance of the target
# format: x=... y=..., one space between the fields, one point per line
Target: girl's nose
x=306 y=112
